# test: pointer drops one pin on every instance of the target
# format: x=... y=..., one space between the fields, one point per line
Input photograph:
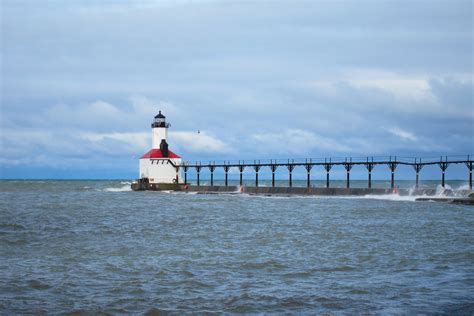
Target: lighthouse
x=160 y=165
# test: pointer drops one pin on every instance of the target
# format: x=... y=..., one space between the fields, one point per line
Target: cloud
x=403 y=87
x=188 y=142
x=97 y=113
x=379 y=91
x=135 y=142
x=65 y=133
x=295 y=141
x=405 y=135
x=199 y=142
x=82 y=82
x=131 y=114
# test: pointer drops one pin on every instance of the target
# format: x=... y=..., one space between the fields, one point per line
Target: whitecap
x=464 y=187
x=125 y=188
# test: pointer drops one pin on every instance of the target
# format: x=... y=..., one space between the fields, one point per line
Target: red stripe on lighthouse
x=156 y=153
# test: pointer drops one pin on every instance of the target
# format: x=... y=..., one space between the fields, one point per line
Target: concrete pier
x=452 y=200
x=449 y=196
x=429 y=193
x=459 y=197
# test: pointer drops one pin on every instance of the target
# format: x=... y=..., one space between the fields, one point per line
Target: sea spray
x=124 y=188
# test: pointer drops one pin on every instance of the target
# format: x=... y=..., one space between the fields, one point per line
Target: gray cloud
x=81 y=80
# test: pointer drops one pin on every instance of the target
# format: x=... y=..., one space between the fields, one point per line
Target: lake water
x=96 y=247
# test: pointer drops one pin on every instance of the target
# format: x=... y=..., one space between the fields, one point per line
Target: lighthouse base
x=145 y=185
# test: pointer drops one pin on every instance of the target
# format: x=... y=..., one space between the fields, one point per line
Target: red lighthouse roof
x=156 y=153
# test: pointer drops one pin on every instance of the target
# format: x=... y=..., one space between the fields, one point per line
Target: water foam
x=441 y=191
x=464 y=187
x=125 y=188
x=389 y=197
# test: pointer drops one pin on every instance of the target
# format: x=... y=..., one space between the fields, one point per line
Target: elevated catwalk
x=392 y=162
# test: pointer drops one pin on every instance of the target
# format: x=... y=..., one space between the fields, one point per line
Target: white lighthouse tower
x=160 y=165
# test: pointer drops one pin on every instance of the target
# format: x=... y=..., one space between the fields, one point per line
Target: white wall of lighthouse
x=159 y=133
x=160 y=170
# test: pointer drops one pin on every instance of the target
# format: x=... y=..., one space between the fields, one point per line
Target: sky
x=82 y=80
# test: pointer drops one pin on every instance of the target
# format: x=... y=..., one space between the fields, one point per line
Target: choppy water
x=94 y=246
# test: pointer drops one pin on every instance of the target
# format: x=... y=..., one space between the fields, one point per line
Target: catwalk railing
x=328 y=163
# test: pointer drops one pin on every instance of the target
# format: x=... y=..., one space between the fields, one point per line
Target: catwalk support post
x=308 y=168
x=185 y=168
x=198 y=171
x=443 y=166
x=241 y=171
x=469 y=167
x=257 y=169
x=348 y=166
x=273 y=167
x=226 y=170
x=417 y=166
x=290 y=171
x=211 y=169
x=392 y=164
x=327 y=167
x=370 y=166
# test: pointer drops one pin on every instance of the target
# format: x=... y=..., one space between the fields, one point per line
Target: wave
x=183 y=192
x=446 y=191
x=391 y=197
x=388 y=197
x=13 y=226
x=464 y=187
x=125 y=188
x=38 y=285
x=412 y=196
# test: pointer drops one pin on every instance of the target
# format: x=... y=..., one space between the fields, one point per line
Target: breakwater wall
x=450 y=196
x=309 y=191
